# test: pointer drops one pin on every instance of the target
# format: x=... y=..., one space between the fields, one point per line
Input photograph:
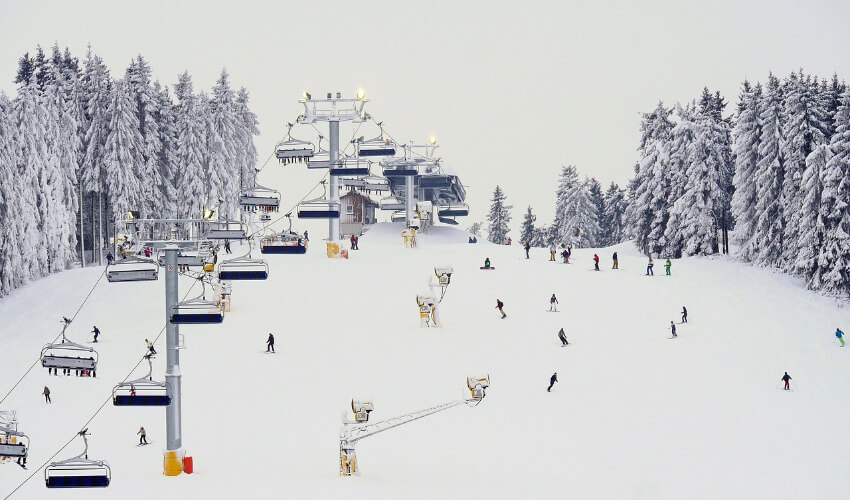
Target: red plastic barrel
x=188 y=465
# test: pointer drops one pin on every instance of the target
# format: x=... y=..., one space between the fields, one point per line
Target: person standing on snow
x=270 y=343
x=354 y=242
x=667 y=266
x=840 y=335
x=649 y=267
x=673 y=328
x=553 y=303
x=499 y=306
x=96 y=332
x=552 y=380
x=596 y=262
x=527 y=247
x=143 y=436
x=684 y=314
x=563 y=338
x=551 y=252
x=46 y=393
x=109 y=259
x=616 y=263
x=787 y=379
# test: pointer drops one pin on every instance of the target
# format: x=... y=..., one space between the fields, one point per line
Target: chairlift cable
x=266 y=162
x=85 y=425
x=57 y=337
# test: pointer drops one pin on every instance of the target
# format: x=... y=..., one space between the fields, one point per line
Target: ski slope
x=635 y=414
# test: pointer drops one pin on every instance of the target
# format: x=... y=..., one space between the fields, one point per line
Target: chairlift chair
x=377 y=147
x=196 y=311
x=318 y=208
x=227 y=230
x=293 y=150
x=132 y=269
x=376 y=183
x=79 y=471
x=285 y=242
x=13 y=443
x=260 y=198
x=390 y=203
x=243 y=268
x=68 y=355
x=142 y=391
x=350 y=167
x=321 y=159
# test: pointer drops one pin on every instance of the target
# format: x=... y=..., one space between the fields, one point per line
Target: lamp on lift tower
x=432 y=140
x=361 y=94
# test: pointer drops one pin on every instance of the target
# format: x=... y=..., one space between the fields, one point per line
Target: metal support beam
x=173 y=423
x=409 y=200
x=333 y=197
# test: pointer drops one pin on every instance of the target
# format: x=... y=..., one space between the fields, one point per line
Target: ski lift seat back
x=14 y=450
x=79 y=471
x=243 y=268
x=196 y=311
x=318 y=209
x=69 y=355
x=132 y=269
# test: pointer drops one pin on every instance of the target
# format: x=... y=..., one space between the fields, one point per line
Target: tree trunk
x=100 y=227
x=82 y=230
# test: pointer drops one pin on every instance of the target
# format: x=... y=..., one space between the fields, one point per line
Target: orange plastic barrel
x=188 y=465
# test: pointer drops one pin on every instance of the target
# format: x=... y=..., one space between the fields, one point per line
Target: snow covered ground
x=635 y=415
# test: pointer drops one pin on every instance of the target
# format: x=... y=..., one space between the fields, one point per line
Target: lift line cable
x=85 y=425
x=267 y=224
x=267 y=159
x=57 y=337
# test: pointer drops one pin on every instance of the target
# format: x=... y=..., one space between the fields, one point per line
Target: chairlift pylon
x=78 y=471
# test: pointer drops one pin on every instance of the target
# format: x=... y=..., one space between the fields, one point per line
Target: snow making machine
x=360 y=428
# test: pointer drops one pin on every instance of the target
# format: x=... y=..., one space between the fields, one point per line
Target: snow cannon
x=427 y=311
x=444 y=273
x=477 y=386
x=361 y=410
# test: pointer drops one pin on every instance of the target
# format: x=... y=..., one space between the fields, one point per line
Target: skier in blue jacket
x=840 y=335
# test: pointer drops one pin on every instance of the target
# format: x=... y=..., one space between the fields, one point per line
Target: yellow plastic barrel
x=171 y=463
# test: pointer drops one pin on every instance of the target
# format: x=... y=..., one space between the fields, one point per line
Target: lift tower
x=333 y=110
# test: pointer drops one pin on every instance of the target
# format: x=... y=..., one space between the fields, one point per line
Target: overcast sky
x=511 y=89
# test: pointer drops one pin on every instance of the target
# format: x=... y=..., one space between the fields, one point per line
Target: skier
x=109 y=259
x=649 y=268
x=563 y=338
x=667 y=266
x=552 y=380
x=673 y=328
x=596 y=262
x=553 y=303
x=499 y=306
x=270 y=343
x=527 y=247
x=787 y=379
x=96 y=332
x=684 y=314
x=143 y=436
x=306 y=237
x=150 y=346
x=569 y=253
x=46 y=393
x=148 y=252
x=353 y=240
x=840 y=335
x=227 y=246
x=616 y=262
x=551 y=252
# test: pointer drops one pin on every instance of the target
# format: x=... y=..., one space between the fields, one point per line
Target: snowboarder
x=563 y=338
x=684 y=314
x=553 y=303
x=667 y=266
x=673 y=328
x=96 y=332
x=150 y=346
x=499 y=306
x=143 y=436
x=616 y=262
x=551 y=252
x=270 y=343
x=596 y=262
x=486 y=263
x=552 y=380
x=840 y=335
x=46 y=393
x=649 y=268
x=109 y=259
x=787 y=379
x=527 y=247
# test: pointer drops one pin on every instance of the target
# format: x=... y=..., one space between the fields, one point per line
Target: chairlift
x=79 y=471
x=260 y=198
x=243 y=268
x=226 y=230
x=454 y=211
x=390 y=203
x=350 y=167
x=375 y=183
x=319 y=208
x=68 y=355
x=142 y=391
x=132 y=269
x=196 y=311
x=354 y=183
x=293 y=150
x=13 y=443
x=285 y=242
x=379 y=146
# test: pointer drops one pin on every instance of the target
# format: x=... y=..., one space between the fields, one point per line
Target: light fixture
x=306 y=96
x=361 y=94
x=133 y=214
x=339 y=95
x=208 y=213
x=432 y=140
x=330 y=94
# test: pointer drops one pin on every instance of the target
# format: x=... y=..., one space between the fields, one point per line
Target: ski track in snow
x=633 y=415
